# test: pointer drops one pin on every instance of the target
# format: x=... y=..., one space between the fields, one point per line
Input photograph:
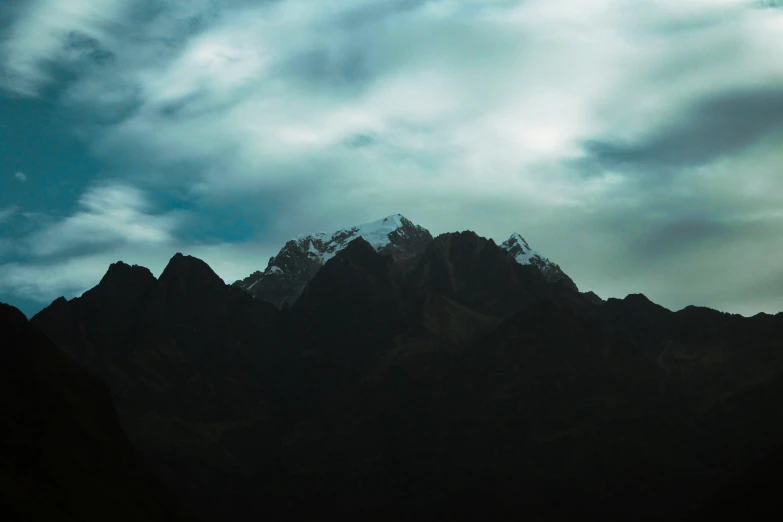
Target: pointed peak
x=10 y=314
x=118 y=267
x=703 y=311
x=638 y=298
x=644 y=301
x=120 y=272
x=356 y=274
x=519 y=249
x=179 y=259
x=393 y=236
x=394 y=218
x=188 y=267
x=358 y=254
x=359 y=242
x=592 y=295
x=380 y=234
x=517 y=239
x=592 y=298
x=358 y=247
x=388 y=224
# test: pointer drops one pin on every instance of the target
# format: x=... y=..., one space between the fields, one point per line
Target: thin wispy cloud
x=109 y=215
x=625 y=140
x=37 y=40
x=21 y=176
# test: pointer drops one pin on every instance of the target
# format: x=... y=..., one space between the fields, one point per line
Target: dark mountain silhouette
x=64 y=456
x=475 y=271
x=454 y=382
x=751 y=494
x=179 y=353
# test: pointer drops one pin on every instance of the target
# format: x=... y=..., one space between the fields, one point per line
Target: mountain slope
x=751 y=494
x=64 y=456
x=477 y=273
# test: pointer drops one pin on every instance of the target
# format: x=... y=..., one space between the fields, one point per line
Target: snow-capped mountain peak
x=287 y=273
x=520 y=250
x=323 y=246
x=296 y=264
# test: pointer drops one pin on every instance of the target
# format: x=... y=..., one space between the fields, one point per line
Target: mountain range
x=383 y=374
x=287 y=273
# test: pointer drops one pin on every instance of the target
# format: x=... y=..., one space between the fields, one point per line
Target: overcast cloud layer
x=639 y=144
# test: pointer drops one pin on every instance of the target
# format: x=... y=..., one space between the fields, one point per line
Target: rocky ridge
x=518 y=248
x=286 y=275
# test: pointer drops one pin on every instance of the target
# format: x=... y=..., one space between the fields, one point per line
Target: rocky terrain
x=287 y=273
x=445 y=377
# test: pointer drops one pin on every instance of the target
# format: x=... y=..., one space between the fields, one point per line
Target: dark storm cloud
x=720 y=126
x=678 y=235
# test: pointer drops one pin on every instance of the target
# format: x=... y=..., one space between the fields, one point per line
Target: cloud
x=38 y=41
x=108 y=215
x=531 y=96
x=114 y=222
x=624 y=142
x=21 y=176
x=718 y=126
x=45 y=282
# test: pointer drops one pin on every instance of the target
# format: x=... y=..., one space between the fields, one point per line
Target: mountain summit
x=287 y=273
x=518 y=248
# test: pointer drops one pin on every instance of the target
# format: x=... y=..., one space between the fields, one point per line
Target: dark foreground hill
x=458 y=384
x=64 y=456
x=751 y=494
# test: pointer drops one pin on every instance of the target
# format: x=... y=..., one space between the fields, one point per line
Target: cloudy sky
x=637 y=143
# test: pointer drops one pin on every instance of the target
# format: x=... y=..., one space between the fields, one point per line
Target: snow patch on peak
x=299 y=260
x=516 y=237
x=324 y=246
x=396 y=219
x=519 y=249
